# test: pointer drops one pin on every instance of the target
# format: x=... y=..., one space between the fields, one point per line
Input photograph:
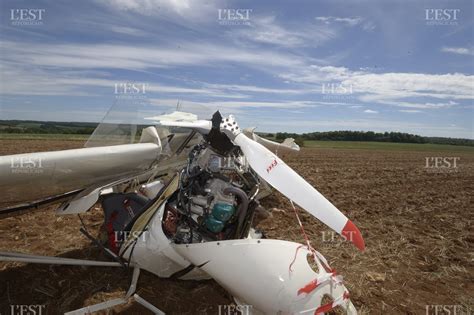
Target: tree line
x=33 y=127
x=347 y=135
x=85 y=128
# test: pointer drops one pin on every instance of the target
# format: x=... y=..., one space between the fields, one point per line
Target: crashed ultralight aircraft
x=180 y=199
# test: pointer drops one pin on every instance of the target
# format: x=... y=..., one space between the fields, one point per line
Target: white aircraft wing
x=33 y=176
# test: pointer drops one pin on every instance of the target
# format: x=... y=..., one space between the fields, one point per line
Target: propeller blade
x=284 y=179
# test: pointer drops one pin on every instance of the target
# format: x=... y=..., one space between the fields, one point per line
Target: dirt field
x=416 y=221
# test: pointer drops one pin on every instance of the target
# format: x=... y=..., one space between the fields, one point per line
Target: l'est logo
x=26 y=14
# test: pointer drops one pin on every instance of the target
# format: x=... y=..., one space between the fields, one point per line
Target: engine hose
x=243 y=206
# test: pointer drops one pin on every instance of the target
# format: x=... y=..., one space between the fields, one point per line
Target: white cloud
x=369 y=111
x=267 y=31
x=27 y=81
x=368 y=26
x=245 y=104
x=115 y=56
x=425 y=105
x=390 y=88
x=256 y=89
x=245 y=109
x=41 y=69
x=409 y=111
x=317 y=74
x=127 y=30
x=459 y=50
x=398 y=86
x=187 y=8
x=29 y=68
x=349 y=21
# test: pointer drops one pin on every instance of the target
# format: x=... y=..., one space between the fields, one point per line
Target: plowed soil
x=416 y=222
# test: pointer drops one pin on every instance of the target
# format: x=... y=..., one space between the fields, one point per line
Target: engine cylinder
x=221 y=213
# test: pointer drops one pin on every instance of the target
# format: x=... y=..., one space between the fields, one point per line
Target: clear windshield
x=127 y=117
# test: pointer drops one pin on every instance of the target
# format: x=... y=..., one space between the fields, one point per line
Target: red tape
x=308 y=288
x=327 y=307
x=315 y=283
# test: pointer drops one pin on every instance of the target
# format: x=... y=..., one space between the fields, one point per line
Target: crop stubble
x=417 y=224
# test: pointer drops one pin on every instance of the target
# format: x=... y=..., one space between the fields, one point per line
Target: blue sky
x=294 y=66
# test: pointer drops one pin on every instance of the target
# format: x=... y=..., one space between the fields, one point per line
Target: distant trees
x=32 y=127
x=299 y=141
x=455 y=141
x=85 y=128
x=47 y=130
x=347 y=135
